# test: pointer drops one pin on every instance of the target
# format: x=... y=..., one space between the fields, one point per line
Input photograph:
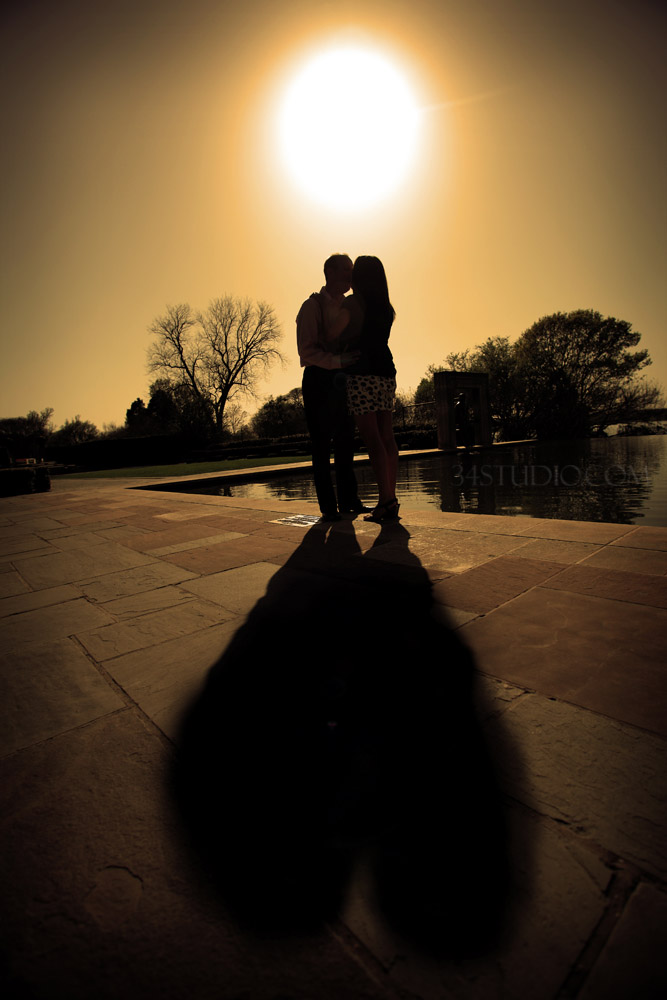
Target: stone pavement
x=526 y=799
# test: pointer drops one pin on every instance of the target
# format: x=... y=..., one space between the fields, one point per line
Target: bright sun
x=348 y=128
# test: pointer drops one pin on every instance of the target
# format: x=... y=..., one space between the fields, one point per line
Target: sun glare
x=348 y=128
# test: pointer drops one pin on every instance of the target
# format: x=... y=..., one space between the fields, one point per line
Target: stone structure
x=462 y=398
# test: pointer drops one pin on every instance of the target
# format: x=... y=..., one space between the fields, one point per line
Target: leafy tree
x=281 y=416
x=163 y=411
x=32 y=424
x=40 y=423
x=215 y=354
x=137 y=419
x=577 y=371
x=424 y=397
x=403 y=410
x=25 y=437
x=74 y=431
x=569 y=375
x=113 y=430
x=172 y=409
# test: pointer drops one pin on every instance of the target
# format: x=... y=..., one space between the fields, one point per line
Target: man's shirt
x=314 y=341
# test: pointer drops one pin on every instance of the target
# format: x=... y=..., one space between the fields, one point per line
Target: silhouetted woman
x=371 y=381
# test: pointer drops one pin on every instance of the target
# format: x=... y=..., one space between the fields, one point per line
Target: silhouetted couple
x=349 y=375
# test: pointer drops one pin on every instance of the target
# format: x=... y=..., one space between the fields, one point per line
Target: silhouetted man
x=324 y=392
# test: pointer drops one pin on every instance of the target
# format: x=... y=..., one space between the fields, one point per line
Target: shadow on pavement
x=339 y=724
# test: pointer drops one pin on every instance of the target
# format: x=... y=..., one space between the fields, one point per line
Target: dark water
x=617 y=479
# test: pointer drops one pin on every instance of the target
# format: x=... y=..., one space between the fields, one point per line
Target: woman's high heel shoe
x=387 y=511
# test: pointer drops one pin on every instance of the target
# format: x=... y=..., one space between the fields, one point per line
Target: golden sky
x=141 y=169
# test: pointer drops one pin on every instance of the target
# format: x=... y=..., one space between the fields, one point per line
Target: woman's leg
x=386 y=430
x=382 y=460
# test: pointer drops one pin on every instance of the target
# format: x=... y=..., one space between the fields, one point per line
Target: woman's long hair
x=369 y=281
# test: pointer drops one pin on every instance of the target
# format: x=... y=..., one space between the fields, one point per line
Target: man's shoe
x=356 y=508
x=331 y=516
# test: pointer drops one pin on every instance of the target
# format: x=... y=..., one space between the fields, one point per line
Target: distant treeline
x=571 y=375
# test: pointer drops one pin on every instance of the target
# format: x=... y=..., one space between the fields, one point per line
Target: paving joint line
x=129 y=702
x=361 y=954
x=66 y=732
x=624 y=882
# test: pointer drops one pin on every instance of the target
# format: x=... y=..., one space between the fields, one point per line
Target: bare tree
x=217 y=353
x=235 y=418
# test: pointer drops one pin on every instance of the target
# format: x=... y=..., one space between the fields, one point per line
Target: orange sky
x=142 y=169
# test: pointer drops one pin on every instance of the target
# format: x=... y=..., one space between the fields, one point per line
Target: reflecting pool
x=617 y=479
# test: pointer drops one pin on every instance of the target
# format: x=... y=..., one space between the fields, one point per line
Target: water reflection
x=620 y=480
x=585 y=481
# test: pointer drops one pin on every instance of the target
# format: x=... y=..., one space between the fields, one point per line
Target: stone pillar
x=446 y=385
x=444 y=410
x=486 y=435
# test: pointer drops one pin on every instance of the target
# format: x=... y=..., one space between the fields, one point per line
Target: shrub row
x=31 y=479
x=168 y=449
x=116 y=453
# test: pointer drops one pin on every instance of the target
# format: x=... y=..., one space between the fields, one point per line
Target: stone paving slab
x=632 y=963
x=424 y=518
x=456 y=551
x=648 y=562
x=133 y=581
x=396 y=553
x=579 y=531
x=618 y=585
x=237 y=590
x=603 y=779
x=38 y=599
x=69 y=567
x=19 y=544
x=116 y=533
x=243 y=551
x=11 y=584
x=182 y=534
x=146 y=508
x=164 y=679
x=492 y=696
x=144 y=523
x=51 y=622
x=32 y=687
x=93 y=528
x=110 y=906
x=558 y=899
x=41 y=553
x=82 y=519
x=644 y=538
x=519 y=525
x=7 y=530
x=586 y=650
x=150 y=629
x=32 y=523
x=196 y=543
x=188 y=514
x=72 y=539
x=556 y=550
x=486 y=587
x=233 y=521
x=147 y=601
